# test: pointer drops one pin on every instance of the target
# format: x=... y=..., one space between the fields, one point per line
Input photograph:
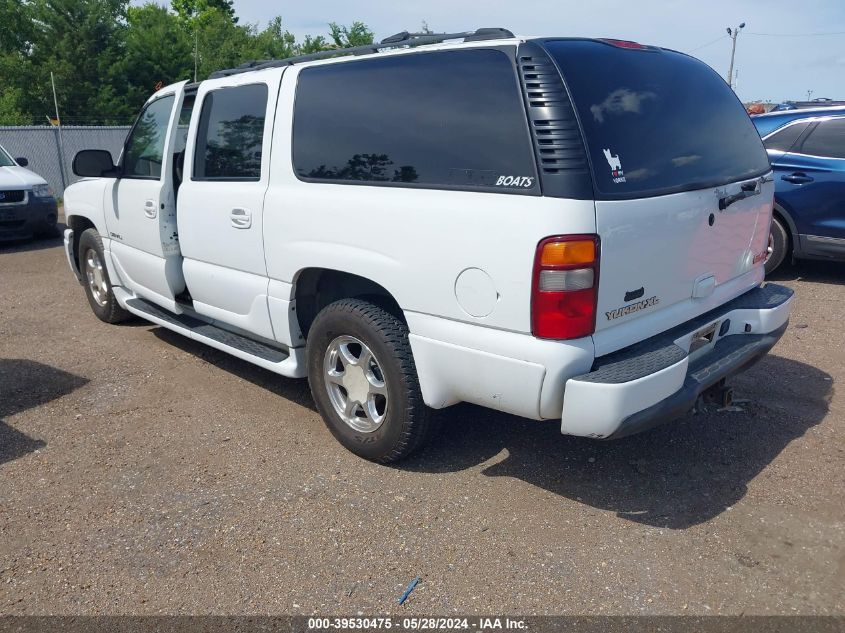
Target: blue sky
x=781 y=66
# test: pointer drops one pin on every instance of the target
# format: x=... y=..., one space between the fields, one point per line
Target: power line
x=797 y=34
x=698 y=48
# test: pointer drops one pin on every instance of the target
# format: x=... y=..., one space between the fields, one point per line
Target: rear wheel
x=778 y=246
x=95 y=279
x=364 y=381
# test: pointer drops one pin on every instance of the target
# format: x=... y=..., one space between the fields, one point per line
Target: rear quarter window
x=451 y=119
x=655 y=121
x=826 y=140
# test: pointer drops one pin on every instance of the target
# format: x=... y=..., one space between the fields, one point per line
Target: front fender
x=84 y=199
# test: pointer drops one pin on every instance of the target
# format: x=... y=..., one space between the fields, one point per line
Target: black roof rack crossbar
x=400 y=40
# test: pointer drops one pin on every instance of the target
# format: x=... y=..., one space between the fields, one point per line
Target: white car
x=27 y=204
x=558 y=228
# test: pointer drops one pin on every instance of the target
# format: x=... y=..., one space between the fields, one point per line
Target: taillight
x=565 y=287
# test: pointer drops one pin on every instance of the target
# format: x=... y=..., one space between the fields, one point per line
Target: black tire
x=779 y=241
x=109 y=311
x=408 y=422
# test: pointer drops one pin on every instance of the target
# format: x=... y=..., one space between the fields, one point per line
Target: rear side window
x=231 y=133
x=452 y=119
x=784 y=139
x=828 y=140
x=655 y=121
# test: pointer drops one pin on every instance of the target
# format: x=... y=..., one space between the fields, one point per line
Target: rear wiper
x=747 y=190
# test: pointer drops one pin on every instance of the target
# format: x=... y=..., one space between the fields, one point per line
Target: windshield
x=5 y=159
x=656 y=121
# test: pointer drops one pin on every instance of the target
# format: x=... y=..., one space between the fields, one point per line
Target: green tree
x=221 y=43
x=157 y=52
x=356 y=35
x=273 y=42
x=108 y=57
x=16 y=30
x=190 y=10
x=10 y=107
x=79 y=41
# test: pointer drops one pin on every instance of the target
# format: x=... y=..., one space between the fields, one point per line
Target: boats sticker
x=615 y=166
x=515 y=181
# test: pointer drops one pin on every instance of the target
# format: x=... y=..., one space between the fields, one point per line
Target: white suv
x=558 y=228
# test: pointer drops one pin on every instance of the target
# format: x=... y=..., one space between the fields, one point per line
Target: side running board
x=277 y=359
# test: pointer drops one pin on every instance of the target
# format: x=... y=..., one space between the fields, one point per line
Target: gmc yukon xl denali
x=559 y=228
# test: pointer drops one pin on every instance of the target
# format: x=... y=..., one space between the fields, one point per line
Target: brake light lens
x=625 y=44
x=565 y=287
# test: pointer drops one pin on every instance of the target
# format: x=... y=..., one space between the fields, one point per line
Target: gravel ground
x=142 y=473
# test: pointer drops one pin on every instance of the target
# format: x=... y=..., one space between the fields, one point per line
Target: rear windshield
x=655 y=121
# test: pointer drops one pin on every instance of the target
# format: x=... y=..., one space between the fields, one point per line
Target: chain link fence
x=42 y=146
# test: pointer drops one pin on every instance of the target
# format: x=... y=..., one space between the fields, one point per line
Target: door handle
x=797 y=178
x=240 y=218
x=150 y=209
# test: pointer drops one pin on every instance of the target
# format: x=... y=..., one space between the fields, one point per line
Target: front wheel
x=364 y=381
x=95 y=279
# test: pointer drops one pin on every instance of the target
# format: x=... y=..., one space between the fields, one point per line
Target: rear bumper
x=32 y=217
x=659 y=380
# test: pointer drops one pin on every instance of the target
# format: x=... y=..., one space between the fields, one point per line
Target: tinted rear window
x=231 y=134
x=451 y=119
x=827 y=140
x=655 y=121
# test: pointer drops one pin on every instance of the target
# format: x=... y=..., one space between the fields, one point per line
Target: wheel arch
x=78 y=224
x=315 y=288
x=780 y=213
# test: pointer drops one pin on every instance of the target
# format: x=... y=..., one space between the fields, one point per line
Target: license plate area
x=703 y=338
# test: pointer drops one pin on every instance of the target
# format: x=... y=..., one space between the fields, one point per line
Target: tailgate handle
x=747 y=190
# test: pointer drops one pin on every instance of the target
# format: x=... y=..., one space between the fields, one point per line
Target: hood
x=19 y=178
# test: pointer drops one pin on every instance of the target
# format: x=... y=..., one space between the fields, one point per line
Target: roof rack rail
x=399 y=40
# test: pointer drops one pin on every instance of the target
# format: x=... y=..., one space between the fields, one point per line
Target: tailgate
x=677 y=251
x=681 y=180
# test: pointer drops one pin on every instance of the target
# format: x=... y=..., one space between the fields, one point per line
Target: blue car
x=807 y=152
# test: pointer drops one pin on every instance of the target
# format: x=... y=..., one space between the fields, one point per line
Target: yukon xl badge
x=615 y=166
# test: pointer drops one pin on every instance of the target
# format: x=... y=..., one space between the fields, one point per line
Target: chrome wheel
x=355 y=383
x=770 y=248
x=96 y=276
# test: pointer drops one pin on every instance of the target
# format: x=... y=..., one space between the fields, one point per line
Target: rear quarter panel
x=414 y=242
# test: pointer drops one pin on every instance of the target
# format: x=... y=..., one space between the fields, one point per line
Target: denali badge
x=515 y=181
x=615 y=166
x=634 y=307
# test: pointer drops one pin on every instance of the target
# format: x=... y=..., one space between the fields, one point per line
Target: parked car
x=771 y=121
x=807 y=153
x=819 y=102
x=426 y=221
x=27 y=204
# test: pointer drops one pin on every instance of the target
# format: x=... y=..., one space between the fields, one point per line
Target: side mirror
x=23 y=162
x=94 y=163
